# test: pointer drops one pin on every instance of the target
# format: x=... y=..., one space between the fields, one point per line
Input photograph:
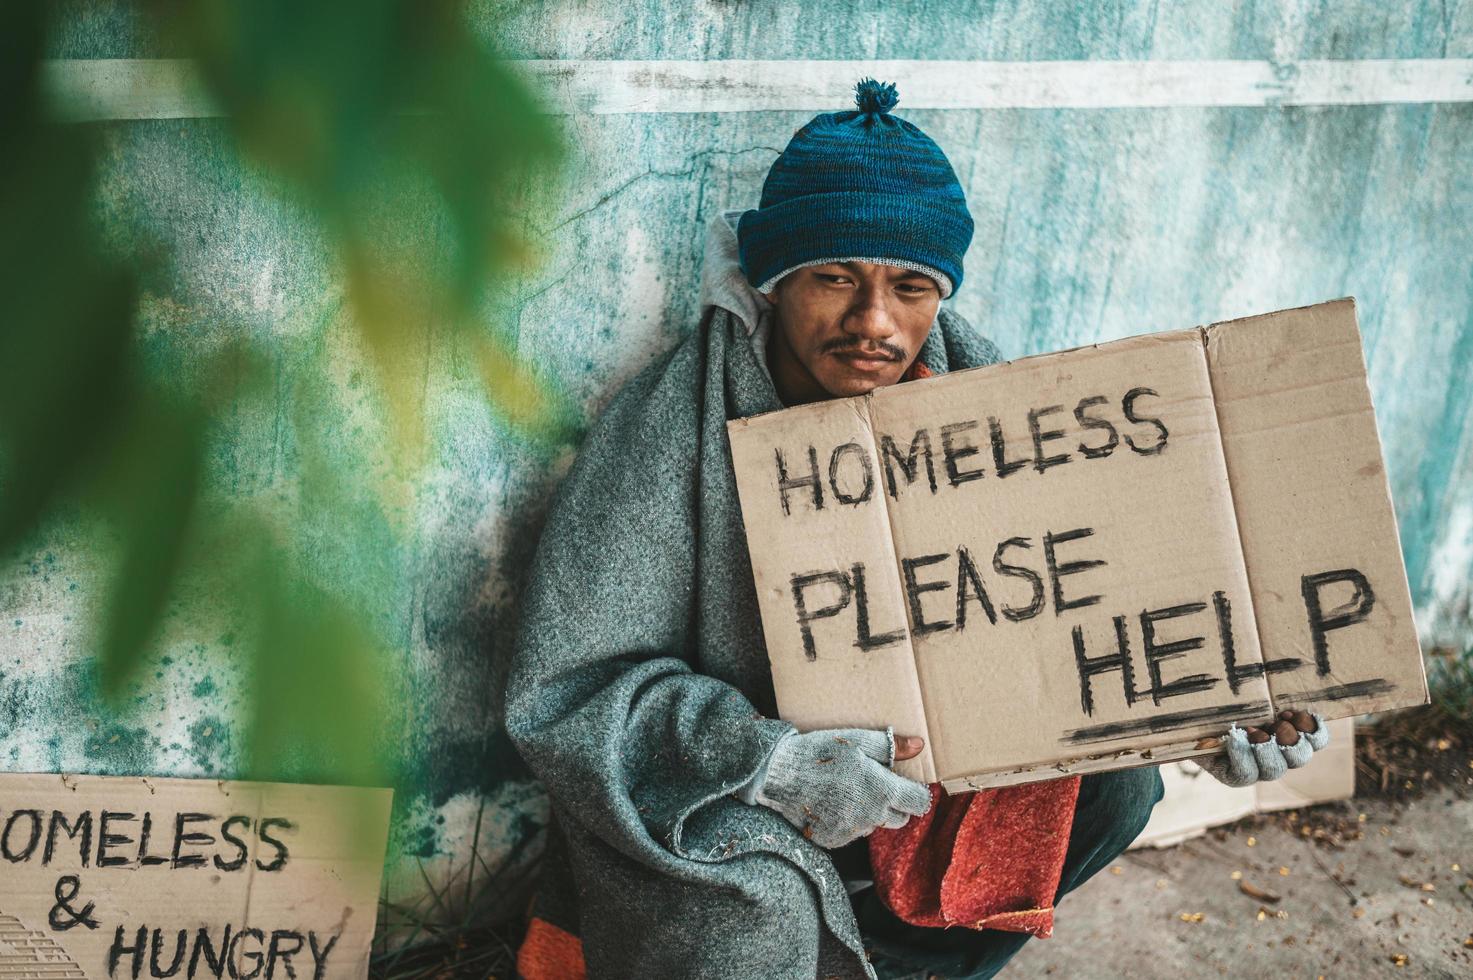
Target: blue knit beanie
x=858 y=185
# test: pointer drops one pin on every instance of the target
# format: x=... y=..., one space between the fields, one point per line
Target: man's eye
x=830 y=277
x=913 y=290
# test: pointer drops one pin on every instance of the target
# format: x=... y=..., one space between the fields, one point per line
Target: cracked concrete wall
x=1091 y=225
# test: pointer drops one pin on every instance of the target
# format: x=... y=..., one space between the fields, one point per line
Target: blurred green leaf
x=62 y=389
x=318 y=692
x=414 y=149
x=525 y=399
x=22 y=45
x=151 y=494
x=63 y=352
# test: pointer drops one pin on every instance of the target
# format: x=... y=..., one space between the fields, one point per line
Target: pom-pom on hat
x=858 y=185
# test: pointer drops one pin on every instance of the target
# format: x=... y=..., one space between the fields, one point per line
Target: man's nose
x=869 y=317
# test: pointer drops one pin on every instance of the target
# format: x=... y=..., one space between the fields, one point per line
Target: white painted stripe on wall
x=115 y=88
x=745 y=86
x=168 y=89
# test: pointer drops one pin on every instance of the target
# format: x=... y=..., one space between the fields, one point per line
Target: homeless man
x=694 y=834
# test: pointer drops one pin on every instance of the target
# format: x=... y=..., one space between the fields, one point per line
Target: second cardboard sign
x=1085 y=560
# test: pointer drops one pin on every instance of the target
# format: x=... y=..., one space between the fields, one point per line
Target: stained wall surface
x=1092 y=224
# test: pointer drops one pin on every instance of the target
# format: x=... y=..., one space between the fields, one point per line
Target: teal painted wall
x=1091 y=224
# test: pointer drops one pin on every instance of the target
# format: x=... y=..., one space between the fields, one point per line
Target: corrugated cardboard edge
x=1083 y=765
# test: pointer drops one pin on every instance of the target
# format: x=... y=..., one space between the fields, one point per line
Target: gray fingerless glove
x=836 y=785
x=1245 y=764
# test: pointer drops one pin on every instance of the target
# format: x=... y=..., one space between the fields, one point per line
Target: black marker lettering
x=239 y=860
x=920 y=447
x=1353 y=611
x=1041 y=436
x=145 y=858
x=203 y=944
x=1129 y=406
x=1155 y=653
x=1014 y=613
x=83 y=825
x=181 y=839
x=278 y=862
x=138 y=950
x=1057 y=571
x=863 y=639
x=913 y=590
x=1093 y=422
x=952 y=453
x=1000 y=462
x=1238 y=673
x=1089 y=666
x=319 y=956
x=279 y=949
x=156 y=947
x=800 y=585
x=234 y=964
x=866 y=468
x=7 y=846
x=969 y=586
x=106 y=840
x=786 y=483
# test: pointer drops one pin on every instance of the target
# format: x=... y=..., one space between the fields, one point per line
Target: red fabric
x=916 y=371
x=990 y=859
x=550 y=953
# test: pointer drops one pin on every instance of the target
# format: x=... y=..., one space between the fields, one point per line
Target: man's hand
x=836 y=785
x=1264 y=754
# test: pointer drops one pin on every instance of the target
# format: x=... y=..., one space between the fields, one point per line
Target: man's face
x=846 y=328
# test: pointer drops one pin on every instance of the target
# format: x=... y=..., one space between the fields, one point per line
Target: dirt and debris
x=1410 y=753
x=1262 y=894
x=1380 y=885
x=1356 y=901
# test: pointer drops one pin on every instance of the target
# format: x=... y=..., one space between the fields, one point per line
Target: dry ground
x=1381 y=885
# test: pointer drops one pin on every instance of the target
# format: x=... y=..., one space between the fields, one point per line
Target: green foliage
x=1450 y=683
x=69 y=324
x=363 y=111
x=152 y=489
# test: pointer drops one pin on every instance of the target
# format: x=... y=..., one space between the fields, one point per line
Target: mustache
x=893 y=351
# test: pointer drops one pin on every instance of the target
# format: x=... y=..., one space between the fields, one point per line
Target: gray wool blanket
x=641 y=695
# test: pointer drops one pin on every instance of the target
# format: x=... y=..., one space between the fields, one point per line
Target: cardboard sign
x=1085 y=560
x=142 y=877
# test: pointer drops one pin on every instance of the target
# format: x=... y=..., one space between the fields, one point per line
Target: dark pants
x=1113 y=808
